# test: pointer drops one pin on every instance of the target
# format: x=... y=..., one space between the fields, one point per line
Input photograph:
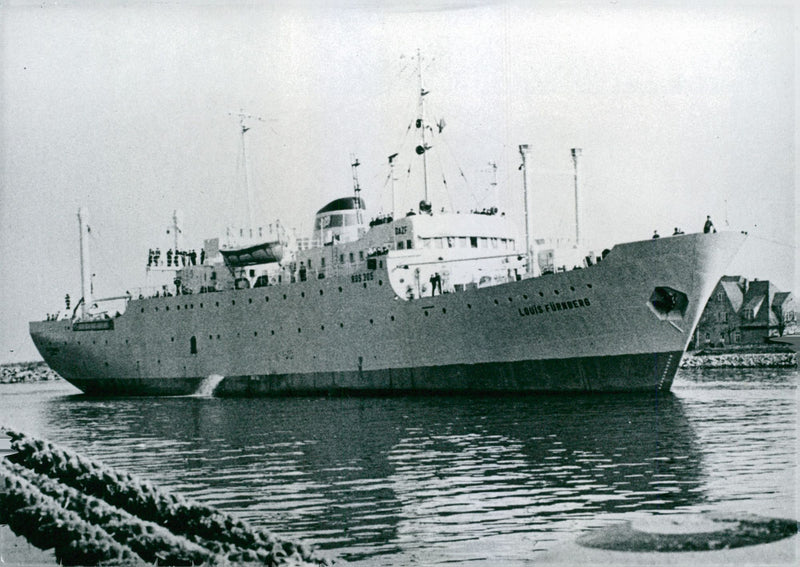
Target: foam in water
x=207 y=386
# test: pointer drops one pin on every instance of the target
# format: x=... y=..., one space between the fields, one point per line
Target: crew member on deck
x=709 y=226
x=655 y=234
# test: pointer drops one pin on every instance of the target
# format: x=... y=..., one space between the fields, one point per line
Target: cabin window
x=213 y=276
x=409 y=244
x=341 y=258
x=252 y=273
x=473 y=241
x=322 y=262
x=309 y=262
x=352 y=257
x=336 y=220
x=401 y=245
x=494 y=243
x=193 y=345
x=361 y=255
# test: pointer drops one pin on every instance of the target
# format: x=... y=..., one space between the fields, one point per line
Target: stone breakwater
x=27 y=372
x=740 y=360
x=90 y=514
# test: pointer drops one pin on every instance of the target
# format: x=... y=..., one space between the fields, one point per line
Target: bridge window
x=473 y=241
x=193 y=345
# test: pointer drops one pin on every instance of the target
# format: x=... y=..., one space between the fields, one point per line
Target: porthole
x=156 y=308
x=191 y=306
x=201 y=306
x=341 y=325
x=541 y=294
x=142 y=309
x=322 y=327
x=589 y=285
x=233 y=302
x=510 y=300
x=178 y=307
x=250 y=300
x=571 y=288
x=217 y=337
x=166 y=308
x=272 y=332
x=496 y=302
x=392 y=317
x=266 y=299
x=380 y=282
x=284 y=296
x=469 y=306
x=340 y=289
x=524 y=296
x=172 y=339
x=444 y=310
x=426 y=313
x=255 y=333
x=302 y=294
x=555 y=291
x=321 y=292
x=371 y=322
x=365 y=285
x=210 y=337
x=217 y=303
x=299 y=330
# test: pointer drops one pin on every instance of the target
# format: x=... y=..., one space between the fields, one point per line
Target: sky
x=681 y=109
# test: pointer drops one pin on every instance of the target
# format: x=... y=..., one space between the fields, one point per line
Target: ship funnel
x=86 y=270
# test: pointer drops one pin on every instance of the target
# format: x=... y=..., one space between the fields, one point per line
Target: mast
x=523 y=151
x=423 y=148
x=391 y=177
x=177 y=229
x=576 y=154
x=248 y=190
x=86 y=270
x=356 y=187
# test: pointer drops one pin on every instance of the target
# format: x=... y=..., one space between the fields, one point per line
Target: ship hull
x=596 y=329
x=625 y=373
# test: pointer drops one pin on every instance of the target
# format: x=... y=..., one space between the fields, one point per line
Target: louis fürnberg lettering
x=552 y=307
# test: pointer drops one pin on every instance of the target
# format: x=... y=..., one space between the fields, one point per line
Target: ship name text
x=553 y=306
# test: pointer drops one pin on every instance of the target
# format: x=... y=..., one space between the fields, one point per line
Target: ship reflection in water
x=367 y=477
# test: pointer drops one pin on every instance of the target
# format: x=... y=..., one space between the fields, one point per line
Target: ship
x=424 y=302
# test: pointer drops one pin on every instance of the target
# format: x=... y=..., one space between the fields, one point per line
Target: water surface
x=440 y=480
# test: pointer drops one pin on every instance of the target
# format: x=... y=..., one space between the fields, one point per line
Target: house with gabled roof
x=742 y=312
